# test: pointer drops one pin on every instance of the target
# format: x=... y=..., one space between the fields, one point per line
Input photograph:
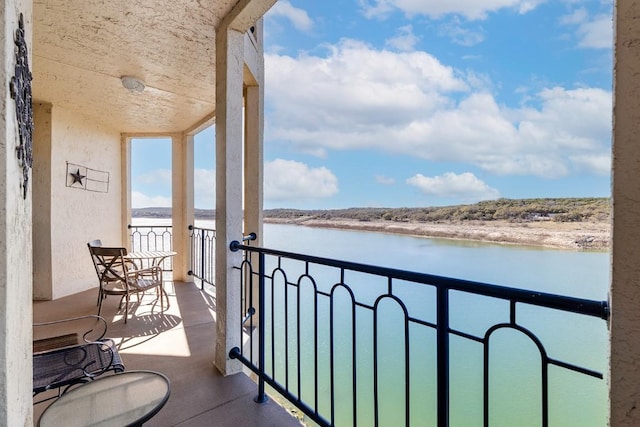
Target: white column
x=125 y=190
x=229 y=167
x=253 y=178
x=182 y=200
x=16 y=314
x=625 y=267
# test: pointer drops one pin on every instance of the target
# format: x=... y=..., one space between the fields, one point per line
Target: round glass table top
x=122 y=399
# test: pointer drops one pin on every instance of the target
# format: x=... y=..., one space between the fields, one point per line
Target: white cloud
x=597 y=33
x=412 y=104
x=599 y=165
x=355 y=88
x=465 y=186
x=298 y=17
x=385 y=180
x=459 y=34
x=592 y=32
x=139 y=200
x=470 y=9
x=291 y=180
x=576 y=17
x=157 y=176
x=205 y=188
x=405 y=40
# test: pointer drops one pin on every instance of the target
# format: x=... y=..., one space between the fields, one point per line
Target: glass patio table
x=128 y=398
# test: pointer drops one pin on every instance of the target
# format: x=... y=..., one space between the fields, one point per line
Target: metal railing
x=202 y=261
x=152 y=238
x=349 y=344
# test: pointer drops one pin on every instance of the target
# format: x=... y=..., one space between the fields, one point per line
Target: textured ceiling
x=82 y=47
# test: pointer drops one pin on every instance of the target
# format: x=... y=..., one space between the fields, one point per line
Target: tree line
x=513 y=210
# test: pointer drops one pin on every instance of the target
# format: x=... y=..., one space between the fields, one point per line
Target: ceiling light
x=133 y=84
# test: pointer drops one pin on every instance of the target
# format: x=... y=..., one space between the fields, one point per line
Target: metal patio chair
x=120 y=276
x=77 y=356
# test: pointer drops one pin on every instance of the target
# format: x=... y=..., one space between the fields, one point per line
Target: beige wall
x=75 y=216
x=16 y=407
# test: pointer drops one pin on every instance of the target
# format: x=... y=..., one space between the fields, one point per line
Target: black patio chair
x=62 y=361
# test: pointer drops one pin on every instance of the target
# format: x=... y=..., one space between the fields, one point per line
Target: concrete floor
x=180 y=344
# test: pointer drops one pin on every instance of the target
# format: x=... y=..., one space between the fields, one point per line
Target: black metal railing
x=202 y=261
x=355 y=344
x=152 y=238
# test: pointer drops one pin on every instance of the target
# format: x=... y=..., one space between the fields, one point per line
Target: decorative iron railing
x=202 y=260
x=355 y=344
x=152 y=238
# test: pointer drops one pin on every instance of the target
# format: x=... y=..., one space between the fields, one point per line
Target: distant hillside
x=166 y=213
x=512 y=210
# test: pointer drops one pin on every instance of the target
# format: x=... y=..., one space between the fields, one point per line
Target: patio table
x=154 y=257
x=128 y=398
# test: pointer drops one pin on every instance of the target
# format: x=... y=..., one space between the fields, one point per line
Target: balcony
x=304 y=341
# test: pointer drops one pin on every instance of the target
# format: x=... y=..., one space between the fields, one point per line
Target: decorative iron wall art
x=84 y=178
x=21 y=94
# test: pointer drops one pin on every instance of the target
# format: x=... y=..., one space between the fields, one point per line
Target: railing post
x=261 y=397
x=443 y=356
x=202 y=260
x=191 y=256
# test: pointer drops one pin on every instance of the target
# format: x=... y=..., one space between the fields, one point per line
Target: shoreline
x=563 y=235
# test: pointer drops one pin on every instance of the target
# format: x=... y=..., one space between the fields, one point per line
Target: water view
x=515 y=362
x=582 y=274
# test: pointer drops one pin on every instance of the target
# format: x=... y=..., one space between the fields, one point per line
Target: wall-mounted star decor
x=84 y=178
x=77 y=177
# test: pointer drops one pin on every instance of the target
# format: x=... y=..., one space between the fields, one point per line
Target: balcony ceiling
x=82 y=47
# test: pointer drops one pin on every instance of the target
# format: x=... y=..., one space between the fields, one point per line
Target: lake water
x=575 y=400
x=565 y=272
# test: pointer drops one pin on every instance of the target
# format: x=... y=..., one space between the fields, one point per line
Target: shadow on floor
x=179 y=343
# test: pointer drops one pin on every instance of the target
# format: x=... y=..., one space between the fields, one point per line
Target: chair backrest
x=95 y=243
x=109 y=263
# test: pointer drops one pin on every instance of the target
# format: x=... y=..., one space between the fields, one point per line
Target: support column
x=182 y=200
x=229 y=167
x=41 y=201
x=624 y=376
x=253 y=176
x=125 y=190
x=16 y=281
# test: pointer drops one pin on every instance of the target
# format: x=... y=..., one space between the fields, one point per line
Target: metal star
x=77 y=177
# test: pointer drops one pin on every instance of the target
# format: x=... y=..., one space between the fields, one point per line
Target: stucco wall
x=15 y=240
x=625 y=249
x=78 y=215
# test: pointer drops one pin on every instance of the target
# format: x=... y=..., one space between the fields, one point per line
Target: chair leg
x=126 y=307
x=100 y=298
x=161 y=299
x=166 y=297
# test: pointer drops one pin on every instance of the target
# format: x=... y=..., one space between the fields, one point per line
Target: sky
x=414 y=103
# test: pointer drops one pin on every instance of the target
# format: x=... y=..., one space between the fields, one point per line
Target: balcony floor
x=180 y=344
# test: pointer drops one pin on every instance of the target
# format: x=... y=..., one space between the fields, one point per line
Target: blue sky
x=394 y=103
